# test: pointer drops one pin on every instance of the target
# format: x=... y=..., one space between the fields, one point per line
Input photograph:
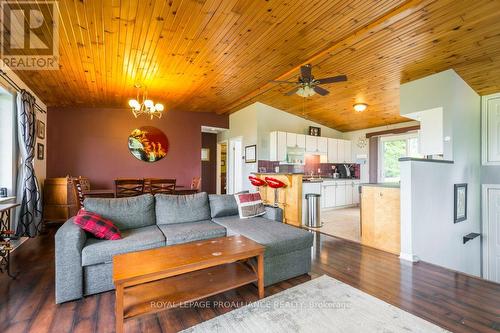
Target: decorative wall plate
x=148 y=144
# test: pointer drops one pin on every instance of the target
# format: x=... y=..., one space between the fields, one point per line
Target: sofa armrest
x=69 y=242
x=274 y=213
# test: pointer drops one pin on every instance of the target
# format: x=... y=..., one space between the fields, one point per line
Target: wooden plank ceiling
x=213 y=55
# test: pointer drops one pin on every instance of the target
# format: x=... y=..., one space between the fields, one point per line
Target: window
x=392 y=148
x=7 y=138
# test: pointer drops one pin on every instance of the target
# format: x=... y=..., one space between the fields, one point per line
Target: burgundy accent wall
x=92 y=142
x=209 y=168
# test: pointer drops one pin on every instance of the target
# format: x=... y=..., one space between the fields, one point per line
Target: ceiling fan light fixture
x=306 y=91
x=360 y=107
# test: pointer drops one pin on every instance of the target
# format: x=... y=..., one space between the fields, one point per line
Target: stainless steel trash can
x=313 y=210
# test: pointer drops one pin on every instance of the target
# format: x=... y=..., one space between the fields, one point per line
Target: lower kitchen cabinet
x=328 y=196
x=340 y=197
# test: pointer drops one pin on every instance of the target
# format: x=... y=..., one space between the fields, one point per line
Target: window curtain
x=29 y=214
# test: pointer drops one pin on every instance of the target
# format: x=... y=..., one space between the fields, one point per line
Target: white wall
x=355 y=136
x=427 y=190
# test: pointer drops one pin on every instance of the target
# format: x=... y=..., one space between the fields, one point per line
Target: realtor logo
x=30 y=35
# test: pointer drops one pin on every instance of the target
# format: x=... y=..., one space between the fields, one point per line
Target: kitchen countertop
x=277 y=173
x=327 y=179
x=390 y=185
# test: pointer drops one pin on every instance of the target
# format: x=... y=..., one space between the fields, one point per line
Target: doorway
x=491 y=232
x=235 y=165
x=222 y=168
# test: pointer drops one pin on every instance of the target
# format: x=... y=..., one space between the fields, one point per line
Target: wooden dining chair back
x=84 y=183
x=78 y=193
x=196 y=184
x=128 y=187
x=164 y=186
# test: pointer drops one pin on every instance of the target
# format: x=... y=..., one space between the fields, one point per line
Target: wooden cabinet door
x=333 y=151
x=322 y=145
x=340 y=151
x=340 y=199
x=291 y=140
x=311 y=144
x=301 y=141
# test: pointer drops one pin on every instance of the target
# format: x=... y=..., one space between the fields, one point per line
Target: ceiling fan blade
x=333 y=79
x=321 y=91
x=293 y=91
x=305 y=72
x=286 y=82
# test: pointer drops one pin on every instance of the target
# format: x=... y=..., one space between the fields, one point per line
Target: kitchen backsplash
x=312 y=164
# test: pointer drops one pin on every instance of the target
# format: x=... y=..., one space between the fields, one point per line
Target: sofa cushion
x=278 y=238
x=97 y=225
x=249 y=205
x=191 y=231
x=98 y=251
x=181 y=208
x=126 y=213
x=222 y=205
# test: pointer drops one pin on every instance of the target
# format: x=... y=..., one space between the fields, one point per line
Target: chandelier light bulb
x=360 y=107
x=159 y=107
x=148 y=103
x=134 y=104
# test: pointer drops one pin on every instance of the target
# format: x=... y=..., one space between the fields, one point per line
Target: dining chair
x=196 y=184
x=84 y=183
x=78 y=193
x=159 y=185
x=128 y=187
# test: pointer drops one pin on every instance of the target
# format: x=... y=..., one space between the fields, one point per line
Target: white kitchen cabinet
x=348 y=193
x=347 y=151
x=301 y=141
x=355 y=193
x=328 y=196
x=322 y=145
x=491 y=129
x=311 y=144
x=340 y=151
x=340 y=198
x=291 y=139
x=333 y=150
x=277 y=146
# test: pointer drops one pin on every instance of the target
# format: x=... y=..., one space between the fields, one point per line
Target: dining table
x=99 y=193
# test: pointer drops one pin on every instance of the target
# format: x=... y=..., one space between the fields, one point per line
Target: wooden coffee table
x=177 y=274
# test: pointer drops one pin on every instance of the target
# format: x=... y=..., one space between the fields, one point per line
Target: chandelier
x=144 y=106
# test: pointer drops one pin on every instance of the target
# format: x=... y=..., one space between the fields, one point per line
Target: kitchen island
x=290 y=197
x=380 y=216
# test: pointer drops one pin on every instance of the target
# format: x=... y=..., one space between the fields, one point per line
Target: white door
x=235 y=181
x=341 y=148
x=493 y=129
x=492 y=237
x=348 y=193
x=347 y=151
x=323 y=145
x=291 y=140
x=311 y=144
x=333 y=149
x=340 y=195
x=301 y=140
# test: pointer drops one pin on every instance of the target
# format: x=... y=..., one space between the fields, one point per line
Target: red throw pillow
x=249 y=205
x=97 y=225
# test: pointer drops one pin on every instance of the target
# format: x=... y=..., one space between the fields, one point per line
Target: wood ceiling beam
x=393 y=16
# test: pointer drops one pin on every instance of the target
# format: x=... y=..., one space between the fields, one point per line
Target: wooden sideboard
x=59 y=202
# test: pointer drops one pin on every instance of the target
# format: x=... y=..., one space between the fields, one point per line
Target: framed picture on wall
x=251 y=154
x=314 y=131
x=460 y=203
x=40 y=151
x=205 y=154
x=40 y=129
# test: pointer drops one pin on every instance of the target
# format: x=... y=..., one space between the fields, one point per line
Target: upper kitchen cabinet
x=333 y=151
x=348 y=151
x=322 y=145
x=294 y=140
x=316 y=144
x=491 y=129
x=278 y=145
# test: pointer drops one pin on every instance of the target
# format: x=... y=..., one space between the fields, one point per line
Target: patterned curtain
x=30 y=212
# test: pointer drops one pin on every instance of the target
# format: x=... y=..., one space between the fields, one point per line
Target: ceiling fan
x=307 y=85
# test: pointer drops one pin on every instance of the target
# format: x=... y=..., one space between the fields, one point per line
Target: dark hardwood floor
x=451 y=300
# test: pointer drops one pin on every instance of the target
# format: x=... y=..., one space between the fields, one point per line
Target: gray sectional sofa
x=84 y=263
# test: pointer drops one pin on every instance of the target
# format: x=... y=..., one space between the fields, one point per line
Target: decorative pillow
x=97 y=225
x=249 y=205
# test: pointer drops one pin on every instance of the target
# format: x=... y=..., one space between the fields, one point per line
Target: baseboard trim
x=409 y=257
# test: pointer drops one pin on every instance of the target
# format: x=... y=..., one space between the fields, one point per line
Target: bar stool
x=276 y=184
x=258 y=183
